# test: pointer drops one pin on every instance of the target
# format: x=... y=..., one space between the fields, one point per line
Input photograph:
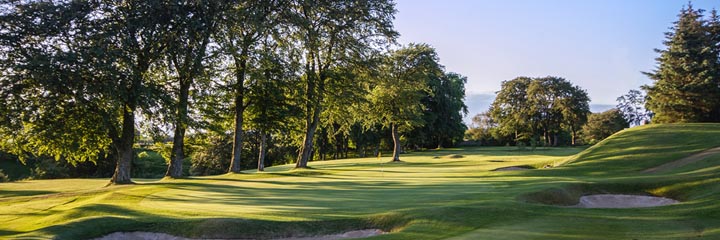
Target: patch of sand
x=511 y=169
x=683 y=161
x=162 y=236
x=622 y=201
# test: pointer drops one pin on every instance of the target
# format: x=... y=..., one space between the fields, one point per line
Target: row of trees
x=79 y=77
x=538 y=109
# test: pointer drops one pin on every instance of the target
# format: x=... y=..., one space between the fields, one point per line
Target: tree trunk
x=396 y=144
x=307 y=146
x=178 y=154
x=263 y=151
x=124 y=149
x=573 y=136
x=312 y=121
x=237 y=136
x=241 y=68
x=555 y=140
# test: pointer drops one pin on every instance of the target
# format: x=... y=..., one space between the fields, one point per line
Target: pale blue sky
x=600 y=45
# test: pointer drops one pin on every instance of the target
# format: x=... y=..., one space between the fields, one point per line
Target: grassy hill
x=431 y=195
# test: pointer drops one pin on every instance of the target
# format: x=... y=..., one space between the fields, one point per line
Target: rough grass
x=422 y=197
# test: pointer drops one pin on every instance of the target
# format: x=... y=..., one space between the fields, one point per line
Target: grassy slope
x=423 y=198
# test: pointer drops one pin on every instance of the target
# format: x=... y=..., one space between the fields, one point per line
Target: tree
x=510 y=109
x=194 y=24
x=444 y=110
x=75 y=74
x=540 y=107
x=601 y=125
x=270 y=92
x=632 y=106
x=394 y=101
x=687 y=79
x=330 y=33
x=244 y=24
x=575 y=107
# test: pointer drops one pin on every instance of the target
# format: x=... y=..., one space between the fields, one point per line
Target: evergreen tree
x=686 y=79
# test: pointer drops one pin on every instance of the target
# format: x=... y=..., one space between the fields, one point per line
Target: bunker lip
x=163 y=236
x=622 y=201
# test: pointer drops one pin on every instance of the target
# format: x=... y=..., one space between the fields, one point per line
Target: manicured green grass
x=431 y=195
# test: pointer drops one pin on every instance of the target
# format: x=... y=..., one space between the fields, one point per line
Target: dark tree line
x=83 y=81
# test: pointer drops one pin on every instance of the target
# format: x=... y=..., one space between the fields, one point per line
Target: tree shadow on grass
x=22 y=193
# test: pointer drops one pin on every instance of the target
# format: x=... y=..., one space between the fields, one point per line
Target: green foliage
x=3 y=177
x=211 y=155
x=395 y=97
x=444 y=108
x=632 y=106
x=149 y=164
x=601 y=125
x=48 y=168
x=535 y=108
x=686 y=84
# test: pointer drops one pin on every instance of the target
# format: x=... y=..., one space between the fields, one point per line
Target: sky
x=600 y=45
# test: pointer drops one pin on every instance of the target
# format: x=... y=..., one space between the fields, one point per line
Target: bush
x=148 y=164
x=48 y=168
x=211 y=156
x=3 y=177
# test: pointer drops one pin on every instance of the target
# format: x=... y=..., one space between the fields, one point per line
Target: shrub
x=48 y=168
x=3 y=177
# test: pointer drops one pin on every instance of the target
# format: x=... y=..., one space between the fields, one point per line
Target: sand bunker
x=622 y=201
x=162 y=236
x=511 y=169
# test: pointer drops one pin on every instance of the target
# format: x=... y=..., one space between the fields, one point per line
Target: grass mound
x=643 y=147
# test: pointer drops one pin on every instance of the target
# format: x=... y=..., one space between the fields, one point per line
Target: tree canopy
x=686 y=85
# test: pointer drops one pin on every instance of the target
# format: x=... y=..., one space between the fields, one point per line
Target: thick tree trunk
x=396 y=144
x=307 y=146
x=263 y=151
x=177 y=154
x=237 y=136
x=124 y=149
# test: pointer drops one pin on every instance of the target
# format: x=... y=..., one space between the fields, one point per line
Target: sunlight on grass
x=427 y=196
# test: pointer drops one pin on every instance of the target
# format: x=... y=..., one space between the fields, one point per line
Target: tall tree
x=686 y=81
x=331 y=33
x=270 y=91
x=575 y=108
x=445 y=107
x=510 y=108
x=76 y=74
x=194 y=22
x=244 y=24
x=394 y=100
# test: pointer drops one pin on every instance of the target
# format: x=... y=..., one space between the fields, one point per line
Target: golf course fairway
x=434 y=194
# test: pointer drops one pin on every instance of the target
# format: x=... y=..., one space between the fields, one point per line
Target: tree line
x=87 y=80
x=685 y=88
